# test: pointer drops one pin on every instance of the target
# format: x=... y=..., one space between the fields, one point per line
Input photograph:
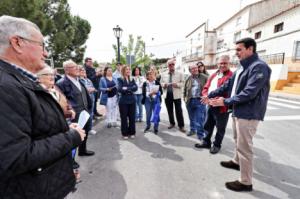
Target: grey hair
x=67 y=63
x=224 y=57
x=11 y=26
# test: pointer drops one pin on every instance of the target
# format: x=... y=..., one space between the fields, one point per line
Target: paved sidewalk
x=285 y=96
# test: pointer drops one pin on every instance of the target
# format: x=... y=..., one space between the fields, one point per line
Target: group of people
x=41 y=132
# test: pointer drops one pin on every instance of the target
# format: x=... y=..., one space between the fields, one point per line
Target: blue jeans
x=196 y=112
x=149 y=106
x=139 y=107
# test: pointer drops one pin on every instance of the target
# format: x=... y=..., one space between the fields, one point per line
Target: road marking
x=281 y=118
x=271 y=107
x=284 y=105
x=284 y=100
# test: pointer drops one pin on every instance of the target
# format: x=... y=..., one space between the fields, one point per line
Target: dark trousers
x=127 y=114
x=87 y=128
x=96 y=94
x=215 y=119
x=178 y=110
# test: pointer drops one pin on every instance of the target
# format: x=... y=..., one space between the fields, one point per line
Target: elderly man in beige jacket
x=172 y=83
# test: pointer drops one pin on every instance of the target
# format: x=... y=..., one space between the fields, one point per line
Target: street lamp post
x=118 y=33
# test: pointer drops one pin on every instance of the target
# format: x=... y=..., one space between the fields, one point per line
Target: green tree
x=135 y=47
x=65 y=34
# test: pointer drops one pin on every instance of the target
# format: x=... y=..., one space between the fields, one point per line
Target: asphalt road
x=167 y=166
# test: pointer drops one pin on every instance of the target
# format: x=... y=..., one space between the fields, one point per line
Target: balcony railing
x=192 y=57
x=273 y=58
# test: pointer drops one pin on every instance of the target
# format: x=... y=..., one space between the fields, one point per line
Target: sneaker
x=125 y=137
x=237 y=186
x=190 y=133
x=92 y=132
x=132 y=136
x=230 y=165
x=214 y=149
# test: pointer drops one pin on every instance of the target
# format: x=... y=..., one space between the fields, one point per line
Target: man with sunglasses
x=36 y=141
x=172 y=83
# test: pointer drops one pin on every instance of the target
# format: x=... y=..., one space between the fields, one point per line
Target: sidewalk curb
x=285 y=96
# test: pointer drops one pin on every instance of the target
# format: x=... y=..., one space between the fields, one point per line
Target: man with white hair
x=172 y=83
x=36 y=141
x=192 y=95
x=78 y=96
x=216 y=116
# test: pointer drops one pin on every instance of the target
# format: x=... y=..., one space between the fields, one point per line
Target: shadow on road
x=99 y=177
x=283 y=177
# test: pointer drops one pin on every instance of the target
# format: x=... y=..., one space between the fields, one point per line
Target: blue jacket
x=126 y=95
x=252 y=90
x=103 y=90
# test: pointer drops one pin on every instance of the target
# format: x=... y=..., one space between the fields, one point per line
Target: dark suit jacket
x=73 y=94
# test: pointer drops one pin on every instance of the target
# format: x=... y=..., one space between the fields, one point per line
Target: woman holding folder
x=108 y=96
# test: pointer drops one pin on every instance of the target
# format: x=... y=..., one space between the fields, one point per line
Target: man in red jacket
x=216 y=116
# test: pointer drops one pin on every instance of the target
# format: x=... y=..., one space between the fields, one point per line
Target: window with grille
x=278 y=27
x=257 y=35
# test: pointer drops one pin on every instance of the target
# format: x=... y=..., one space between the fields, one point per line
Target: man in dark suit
x=78 y=97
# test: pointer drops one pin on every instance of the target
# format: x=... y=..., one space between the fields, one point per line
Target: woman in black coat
x=127 y=103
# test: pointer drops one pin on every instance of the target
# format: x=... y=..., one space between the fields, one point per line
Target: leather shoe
x=171 y=126
x=98 y=114
x=214 y=149
x=86 y=153
x=182 y=130
x=75 y=165
x=155 y=131
x=146 y=129
x=230 y=165
x=237 y=186
x=202 y=145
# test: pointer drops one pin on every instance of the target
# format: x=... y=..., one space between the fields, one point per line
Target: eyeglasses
x=171 y=64
x=223 y=63
x=48 y=74
x=42 y=44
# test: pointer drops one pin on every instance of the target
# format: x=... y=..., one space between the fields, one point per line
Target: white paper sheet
x=83 y=118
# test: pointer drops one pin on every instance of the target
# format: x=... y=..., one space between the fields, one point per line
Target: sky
x=166 y=21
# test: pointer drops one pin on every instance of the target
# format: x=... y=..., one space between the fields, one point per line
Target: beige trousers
x=243 y=132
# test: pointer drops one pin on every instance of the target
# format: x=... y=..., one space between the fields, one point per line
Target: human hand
x=124 y=88
x=217 y=102
x=204 y=100
x=80 y=131
x=73 y=114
